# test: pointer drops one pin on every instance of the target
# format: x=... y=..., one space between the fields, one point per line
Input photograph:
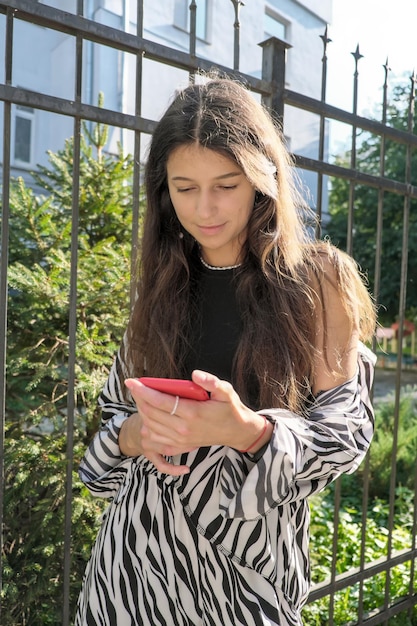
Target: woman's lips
x=210 y=230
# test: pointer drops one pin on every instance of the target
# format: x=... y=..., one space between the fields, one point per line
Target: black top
x=217 y=325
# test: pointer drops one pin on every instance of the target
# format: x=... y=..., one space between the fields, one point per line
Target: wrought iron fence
x=274 y=93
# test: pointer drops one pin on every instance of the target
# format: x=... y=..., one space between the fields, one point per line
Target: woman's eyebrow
x=221 y=177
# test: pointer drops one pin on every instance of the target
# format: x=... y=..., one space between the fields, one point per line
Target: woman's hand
x=222 y=420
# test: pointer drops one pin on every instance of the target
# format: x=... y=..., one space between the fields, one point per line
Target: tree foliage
x=37 y=363
x=40 y=274
x=33 y=551
x=365 y=213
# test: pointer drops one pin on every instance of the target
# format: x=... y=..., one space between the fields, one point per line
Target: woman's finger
x=219 y=390
x=151 y=397
x=165 y=467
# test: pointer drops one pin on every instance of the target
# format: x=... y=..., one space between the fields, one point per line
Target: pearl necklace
x=221 y=269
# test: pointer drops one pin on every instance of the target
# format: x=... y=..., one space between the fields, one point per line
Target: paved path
x=385 y=381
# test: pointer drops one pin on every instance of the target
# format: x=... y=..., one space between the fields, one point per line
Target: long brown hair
x=273 y=288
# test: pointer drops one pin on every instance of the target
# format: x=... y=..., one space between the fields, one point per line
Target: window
x=201 y=20
x=23 y=135
x=182 y=16
x=273 y=26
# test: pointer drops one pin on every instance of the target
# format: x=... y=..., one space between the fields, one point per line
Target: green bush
x=37 y=365
x=382 y=445
x=33 y=551
x=348 y=554
x=377 y=533
x=39 y=278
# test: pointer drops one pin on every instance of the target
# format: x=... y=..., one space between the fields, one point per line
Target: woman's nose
x=205 y=204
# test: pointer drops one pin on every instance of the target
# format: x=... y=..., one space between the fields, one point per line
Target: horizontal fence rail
x=271 y=87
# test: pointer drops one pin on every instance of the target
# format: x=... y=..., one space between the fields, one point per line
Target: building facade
x=44 y=61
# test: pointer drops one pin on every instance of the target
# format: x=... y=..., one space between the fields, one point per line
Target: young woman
x=208 y=520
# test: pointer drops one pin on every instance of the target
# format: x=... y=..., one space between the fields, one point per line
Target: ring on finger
x=177 y=399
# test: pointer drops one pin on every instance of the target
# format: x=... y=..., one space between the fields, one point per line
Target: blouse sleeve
x=103 y=466
x=304 y=454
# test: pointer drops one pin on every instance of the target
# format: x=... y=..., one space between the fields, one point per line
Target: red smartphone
x=176 y=387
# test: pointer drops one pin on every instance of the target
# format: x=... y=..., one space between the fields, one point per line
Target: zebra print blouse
x=227 y=543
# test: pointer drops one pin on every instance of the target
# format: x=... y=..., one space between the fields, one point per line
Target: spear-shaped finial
x=357 y=55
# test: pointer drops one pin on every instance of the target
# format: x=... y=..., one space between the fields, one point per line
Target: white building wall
x=44 y=61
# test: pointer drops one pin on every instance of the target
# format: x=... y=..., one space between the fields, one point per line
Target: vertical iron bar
x=136 y=163
x=237 y=4
x=357 y=56
x=319 y=203
x=193 y=27
x=274 y=54
x=413 y=545
x=401 y=318
x=123 y=68
x=4 y=256
x=193 y=37
x=378 y=256
x=72 y=329
x=333 y=572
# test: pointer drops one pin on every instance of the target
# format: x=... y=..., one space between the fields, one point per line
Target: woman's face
x=213 y=201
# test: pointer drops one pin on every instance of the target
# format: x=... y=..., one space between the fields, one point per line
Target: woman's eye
x=222 y=187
